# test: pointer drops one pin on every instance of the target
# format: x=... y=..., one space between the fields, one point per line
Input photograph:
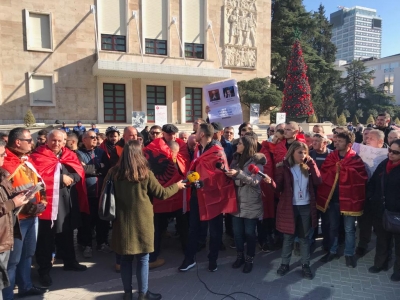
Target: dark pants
x=142 y=272
x=365 y=222
x=47 y=241
x=265 y=230
x=384 y=246
x=244 y=230
x=302 y=219
x=215 y=227
x=228 y=225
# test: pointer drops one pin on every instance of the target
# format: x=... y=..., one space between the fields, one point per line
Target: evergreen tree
x=370 y=120
x=355 y=120
x=312 y=119
x=397 y=121
x=297 y=93
x=29 y=118
x=342 y=120
x=335 y=119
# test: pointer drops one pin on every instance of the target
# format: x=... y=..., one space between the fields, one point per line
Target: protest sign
x=372 y=157
x=223 y=100
x=138 y=120
x=160 y=115
x=280 y=118
x=254 y=113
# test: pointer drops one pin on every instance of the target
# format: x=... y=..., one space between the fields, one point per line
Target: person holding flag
x=211 y=201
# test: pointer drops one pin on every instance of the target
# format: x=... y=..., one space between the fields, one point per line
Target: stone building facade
x=100 y=60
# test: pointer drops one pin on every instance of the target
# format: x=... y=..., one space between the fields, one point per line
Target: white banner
x=139 y=120
x=372 y=157
x=280 y=118
x=224 y=103
x=160 y=115
x=254 y=113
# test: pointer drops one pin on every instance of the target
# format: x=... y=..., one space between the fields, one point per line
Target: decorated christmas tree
x=297 y=93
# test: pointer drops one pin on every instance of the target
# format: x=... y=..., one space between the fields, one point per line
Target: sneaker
x=307 y=274
x=104 y=248
x=87 y=252
x=283 y=269
x=33 y=291
x=187 y=265
x=212 y=266
x=45 y=280
x=157 y=263
x=350 y=261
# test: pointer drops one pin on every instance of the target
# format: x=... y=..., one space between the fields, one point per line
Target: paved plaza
x=332 y=280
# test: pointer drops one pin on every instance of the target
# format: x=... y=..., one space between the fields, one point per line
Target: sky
x=388 y=10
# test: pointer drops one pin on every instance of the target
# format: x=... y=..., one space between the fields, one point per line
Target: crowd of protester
x=278 y=194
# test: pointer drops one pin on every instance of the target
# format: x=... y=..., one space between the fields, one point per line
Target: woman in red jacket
x=295 y=179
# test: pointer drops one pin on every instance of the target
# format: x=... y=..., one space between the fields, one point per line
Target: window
x=193 y=104
x=113 y=42
x=38 y=31
x=114 y=102
x=158 y=47
x=41 y=89
x=156 y=95
x=194 y=50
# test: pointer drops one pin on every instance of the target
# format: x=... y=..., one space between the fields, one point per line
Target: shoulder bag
x=107 y=202
x=390 y=220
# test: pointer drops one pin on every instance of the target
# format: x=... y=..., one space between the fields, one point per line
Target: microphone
x=192 y=178
x=255 y=170
x=220 y=165
x=198 y=184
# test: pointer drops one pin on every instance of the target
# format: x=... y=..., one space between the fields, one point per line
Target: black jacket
x=390 y=186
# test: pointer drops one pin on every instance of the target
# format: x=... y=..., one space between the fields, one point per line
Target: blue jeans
x=19 y=264
x=244 y=230
x=142 y=272
x=349 y=228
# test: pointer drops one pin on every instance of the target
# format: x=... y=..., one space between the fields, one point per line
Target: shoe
x=45 y=280
x=239 y=260
x=117 y=268
x=329 y=257
x=34 y=291
x=307 y=274
x=395 y=277
x=283 y=269
x=127 y=296
x=157 y=263
x=361 y=251
x=104 y=248
x=248 y=265
x=87 y=252
x=375 y=270
x=212 y=266
x=149 y=296
x=350 y=261
x=296 y=249
x=266 y=248
x=187 y=265
x=75 y=266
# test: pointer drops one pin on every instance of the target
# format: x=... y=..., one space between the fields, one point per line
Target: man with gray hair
x=393 y=135
x=183 y=135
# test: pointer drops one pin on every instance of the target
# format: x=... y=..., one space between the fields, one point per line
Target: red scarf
x=48 y=166
x=390 y=166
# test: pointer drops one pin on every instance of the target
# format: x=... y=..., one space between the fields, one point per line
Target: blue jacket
x=79 y=130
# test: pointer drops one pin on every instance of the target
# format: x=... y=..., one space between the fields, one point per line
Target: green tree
x=370 y=120
x=397 y=121
x=346 y=113
x=373 y=112
x=259 y=90
x=335 y=119
x=342 y=120
x=355 y=120
x=359 y=113
x=29 y=118
x=312 y=119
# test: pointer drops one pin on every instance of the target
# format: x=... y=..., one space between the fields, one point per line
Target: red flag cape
x=218 y=194
x=351 y=176
x=268 y=195
x=48 y=166
x=159 y=156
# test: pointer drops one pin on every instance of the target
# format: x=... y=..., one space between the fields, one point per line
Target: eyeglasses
x=4 y=154
x=93 y=137
x=394 y=151
x=155 y=132
x=27 y=140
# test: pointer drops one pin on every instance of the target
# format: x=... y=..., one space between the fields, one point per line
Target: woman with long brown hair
x=248 y=195
x=295 y=179
x=133 y=228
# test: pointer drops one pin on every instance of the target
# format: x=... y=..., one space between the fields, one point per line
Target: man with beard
x=23 y=174
x=130 y=134
x=66 y=198
x=108 y=145
x=382 y=123
x=166 y=170
x=292 y=133
x=155 y=133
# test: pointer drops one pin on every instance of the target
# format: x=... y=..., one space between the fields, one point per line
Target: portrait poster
x=280 y=118
x=224 y=103
x=160 y=115
x=254 y=113
x=139 y=120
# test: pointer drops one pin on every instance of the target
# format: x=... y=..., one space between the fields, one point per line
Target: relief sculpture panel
x=240 y=33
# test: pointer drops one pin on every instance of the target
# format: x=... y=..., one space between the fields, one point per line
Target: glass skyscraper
x=357 y=33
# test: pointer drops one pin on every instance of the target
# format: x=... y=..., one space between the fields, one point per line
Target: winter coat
x=268 y=196
x=6 y=210
x=247 y=186
x=133 y=228
x=283 y=184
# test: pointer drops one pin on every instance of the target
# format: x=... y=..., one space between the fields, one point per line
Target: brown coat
x=133 y=228
x=283 y=184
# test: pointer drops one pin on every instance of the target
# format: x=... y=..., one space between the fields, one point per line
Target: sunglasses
x=26 y=140
x=155 y=132
x=4 y=154
x=93 y=137
x=394 y=151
